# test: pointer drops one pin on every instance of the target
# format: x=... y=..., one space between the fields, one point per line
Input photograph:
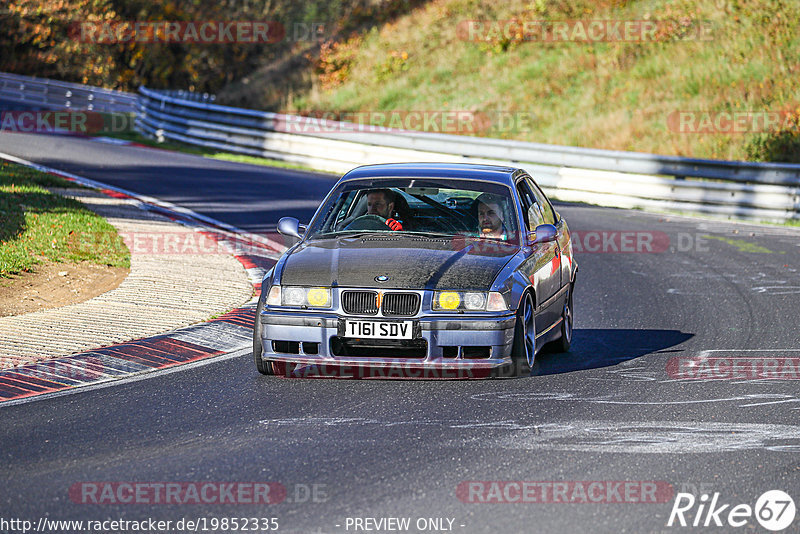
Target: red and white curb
x=228 y=333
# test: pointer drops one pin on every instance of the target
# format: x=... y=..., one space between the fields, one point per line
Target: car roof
x=488 y=173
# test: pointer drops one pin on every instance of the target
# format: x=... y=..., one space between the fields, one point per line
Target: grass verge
x=37 y=225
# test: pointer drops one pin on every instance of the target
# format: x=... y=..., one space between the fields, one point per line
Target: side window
x=344 y=206
x=548 y=214
x=530 y=206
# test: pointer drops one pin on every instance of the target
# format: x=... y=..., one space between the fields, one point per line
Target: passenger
x=490 y=216
x=381 y=202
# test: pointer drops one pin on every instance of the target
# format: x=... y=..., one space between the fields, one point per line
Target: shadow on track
x=604 y=347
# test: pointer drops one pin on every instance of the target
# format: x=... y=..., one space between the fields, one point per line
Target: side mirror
x=289 y=226
x=545 y=233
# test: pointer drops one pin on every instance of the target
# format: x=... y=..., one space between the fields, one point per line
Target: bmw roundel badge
x=381 y=278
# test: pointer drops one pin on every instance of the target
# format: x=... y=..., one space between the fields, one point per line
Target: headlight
x=294 y=296
x=469 y=301
x=298 y=297
x=475 y=301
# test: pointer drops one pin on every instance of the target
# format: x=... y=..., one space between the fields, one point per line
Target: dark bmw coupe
x=420 y=266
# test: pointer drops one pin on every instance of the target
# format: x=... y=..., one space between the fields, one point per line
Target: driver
x=490 y=216
x=381 y=202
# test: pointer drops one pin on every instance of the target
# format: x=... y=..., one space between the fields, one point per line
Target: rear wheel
x=566 y=323
x=565 y=341
x=524 y=348
x=264 y=367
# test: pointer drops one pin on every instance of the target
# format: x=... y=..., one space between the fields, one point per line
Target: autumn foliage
x=40 y=39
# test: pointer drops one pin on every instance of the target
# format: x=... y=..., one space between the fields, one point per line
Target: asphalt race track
x=621 y=406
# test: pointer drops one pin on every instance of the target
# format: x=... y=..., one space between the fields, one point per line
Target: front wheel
x=524 y=349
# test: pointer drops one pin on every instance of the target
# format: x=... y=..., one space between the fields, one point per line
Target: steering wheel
x=368 y=222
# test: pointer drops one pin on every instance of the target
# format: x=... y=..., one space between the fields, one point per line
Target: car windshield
x=449 y=207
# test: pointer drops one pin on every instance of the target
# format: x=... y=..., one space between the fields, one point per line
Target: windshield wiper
x=354 y=233
x=381 y=233
x=429 y=233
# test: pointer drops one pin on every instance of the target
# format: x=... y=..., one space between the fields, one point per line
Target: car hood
x=408 y=262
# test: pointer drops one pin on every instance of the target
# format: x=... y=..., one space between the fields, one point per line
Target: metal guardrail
x=50 y=94
x=763 y=191
x=189 y=95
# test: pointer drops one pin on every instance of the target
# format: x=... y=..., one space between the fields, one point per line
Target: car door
x=542 y=267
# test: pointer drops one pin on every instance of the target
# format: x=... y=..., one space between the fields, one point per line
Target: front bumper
x=446 y=337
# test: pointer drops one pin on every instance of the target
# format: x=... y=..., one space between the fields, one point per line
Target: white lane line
x=704 y=353
x=142 y=375
x=753 y=399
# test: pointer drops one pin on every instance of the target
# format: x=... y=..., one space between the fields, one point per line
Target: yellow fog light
x=449 y=300
x=318 y=297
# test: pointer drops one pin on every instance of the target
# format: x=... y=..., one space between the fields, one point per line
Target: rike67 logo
x=774 y=510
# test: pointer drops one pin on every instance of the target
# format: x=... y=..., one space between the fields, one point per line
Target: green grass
x=37 y=225
x=615 y=95
x=741 y=244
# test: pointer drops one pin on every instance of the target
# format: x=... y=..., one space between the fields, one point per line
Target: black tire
x=264 y=367
x=567 y=319
x=524 y=348
x=563 y=343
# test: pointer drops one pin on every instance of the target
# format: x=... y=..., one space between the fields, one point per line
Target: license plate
x=379 y=329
